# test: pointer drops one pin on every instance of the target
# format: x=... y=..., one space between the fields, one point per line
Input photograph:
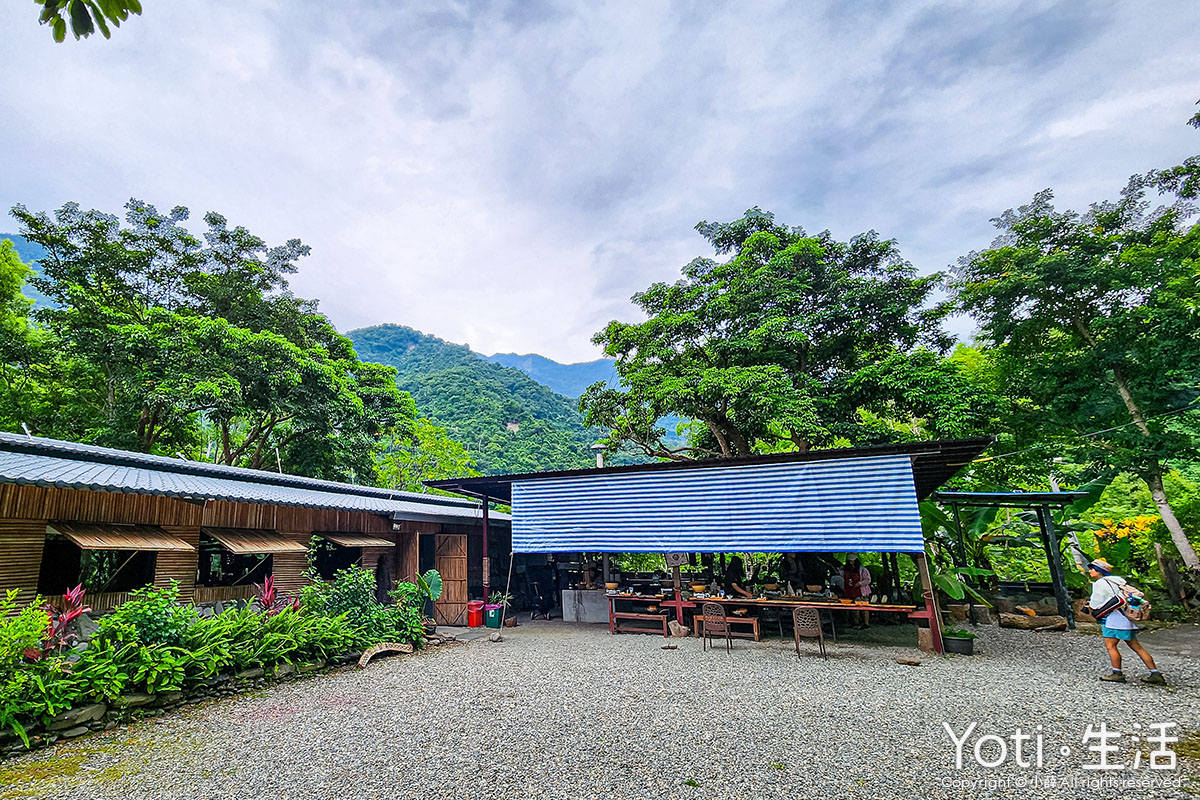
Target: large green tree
x=1093 y=317
x=182 y=345
x=794 y=342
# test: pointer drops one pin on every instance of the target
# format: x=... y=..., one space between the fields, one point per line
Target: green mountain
x=29 y=252
x=566 y=379
x=509 y=422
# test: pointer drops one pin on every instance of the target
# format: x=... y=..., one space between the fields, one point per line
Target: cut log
x=909 y=662
x=383 y=647
x=1027 y=623
x=677 y=630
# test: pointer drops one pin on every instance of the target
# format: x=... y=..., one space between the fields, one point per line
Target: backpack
x=1134 y=604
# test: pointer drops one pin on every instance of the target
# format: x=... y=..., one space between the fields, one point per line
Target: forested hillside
x=571 y=380
x=508 y=421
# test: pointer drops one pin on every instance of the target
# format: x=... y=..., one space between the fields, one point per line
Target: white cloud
x=507 y=175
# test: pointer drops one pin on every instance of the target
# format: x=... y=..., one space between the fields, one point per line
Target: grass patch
x=779 y=766
x=1189 y=746
x=56 y=767
x=692 y=782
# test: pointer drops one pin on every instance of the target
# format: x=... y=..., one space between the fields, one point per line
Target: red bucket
x=475 y=613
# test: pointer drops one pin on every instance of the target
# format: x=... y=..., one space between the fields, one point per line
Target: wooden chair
x=806 y=622
x=715 y=623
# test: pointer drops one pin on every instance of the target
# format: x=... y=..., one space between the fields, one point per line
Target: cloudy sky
x=508 y=174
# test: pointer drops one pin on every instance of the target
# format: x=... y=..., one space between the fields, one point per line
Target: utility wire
x=1089 y=435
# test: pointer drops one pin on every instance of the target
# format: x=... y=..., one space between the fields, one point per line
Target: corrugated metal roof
x=48 y=462
x=248 y=541
x=102 y=536
x=76 y=452
x=800 y=506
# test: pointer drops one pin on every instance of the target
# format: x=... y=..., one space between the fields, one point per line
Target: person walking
x=856 y=585
x=1105 y=605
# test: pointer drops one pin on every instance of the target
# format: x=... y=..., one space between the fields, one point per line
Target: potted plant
x=497 y=602
x=430 y=586
x=956 y=640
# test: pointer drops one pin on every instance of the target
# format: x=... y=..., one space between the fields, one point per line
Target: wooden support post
x=931 y=604
x=607 y=569
x=1050 y=543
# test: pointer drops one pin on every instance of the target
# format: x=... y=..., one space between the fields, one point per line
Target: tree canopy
x=85 y=17
x=1093 y=317
x=796 y=341
x=158 y=341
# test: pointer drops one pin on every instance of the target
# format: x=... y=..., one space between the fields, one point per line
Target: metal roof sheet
x=84 y=454
x=62 y=471
x=933 y=463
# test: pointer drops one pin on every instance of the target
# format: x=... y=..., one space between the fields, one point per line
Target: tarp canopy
x=102 y=536
x=834 y=505
x=249 y=541
x=355 y=540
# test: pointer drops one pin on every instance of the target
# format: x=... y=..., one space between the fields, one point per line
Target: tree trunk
x=1154 y=478
x=1186 y=551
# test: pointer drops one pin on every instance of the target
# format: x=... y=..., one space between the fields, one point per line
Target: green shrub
x=152 y=616
x=19 y=631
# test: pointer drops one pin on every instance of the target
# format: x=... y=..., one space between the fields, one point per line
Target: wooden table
x=615 y=617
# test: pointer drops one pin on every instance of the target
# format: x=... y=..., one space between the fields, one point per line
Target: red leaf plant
x=271 y=602
x=57 y=635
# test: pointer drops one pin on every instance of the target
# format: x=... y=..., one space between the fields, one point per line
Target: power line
x=1090 y=435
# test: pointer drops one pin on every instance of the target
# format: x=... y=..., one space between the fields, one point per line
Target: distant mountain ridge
x=571 y=380
x=508 y=421
x=29 y=253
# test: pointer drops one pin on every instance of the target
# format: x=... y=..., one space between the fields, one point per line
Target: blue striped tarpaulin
x=831 y=506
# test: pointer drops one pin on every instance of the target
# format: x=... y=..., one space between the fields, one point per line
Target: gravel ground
x=567 y=711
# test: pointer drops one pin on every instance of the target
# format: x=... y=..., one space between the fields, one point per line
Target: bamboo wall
x=25 y=511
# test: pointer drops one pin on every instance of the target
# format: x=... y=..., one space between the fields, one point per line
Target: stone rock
x=313 y=666
x=170 y=698
x=925 y=640
x=76 y=716
x=1006 y=605
x=205 y=611
x=958 y=612
x=677 y=631
x=495 y=636
x=285 y=670
x=1038 y=623
x=909 y=662
x=134 y=700
x=74 y=732
x=85 y=627
x=250 y=674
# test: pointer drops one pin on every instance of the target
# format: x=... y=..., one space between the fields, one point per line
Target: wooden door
x=450 y=559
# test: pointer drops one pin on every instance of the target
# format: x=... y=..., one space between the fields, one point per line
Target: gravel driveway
x=567 y=711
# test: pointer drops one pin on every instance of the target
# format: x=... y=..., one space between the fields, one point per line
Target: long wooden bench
x=731 y=620
x=615 y=617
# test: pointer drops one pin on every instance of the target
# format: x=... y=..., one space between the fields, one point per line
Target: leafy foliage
x=795 y=342
x=157 y=341
x=85 y=16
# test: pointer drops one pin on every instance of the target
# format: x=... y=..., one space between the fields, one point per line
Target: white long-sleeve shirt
x=1103 y=590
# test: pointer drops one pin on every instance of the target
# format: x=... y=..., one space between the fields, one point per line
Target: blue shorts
x=1117 y=633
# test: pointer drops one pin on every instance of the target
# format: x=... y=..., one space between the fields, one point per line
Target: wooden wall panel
x=21 y=543
x=289 y=569
x=179 y=565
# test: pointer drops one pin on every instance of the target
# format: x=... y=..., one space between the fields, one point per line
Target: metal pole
x=487 y=565
x=1050 y=542
x=507 y=587
x=962 y=548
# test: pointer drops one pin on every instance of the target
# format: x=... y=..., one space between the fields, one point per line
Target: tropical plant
x=430 y=585
x=22 y=630
x=151 y=616
x=86 y=16
x=58 y=633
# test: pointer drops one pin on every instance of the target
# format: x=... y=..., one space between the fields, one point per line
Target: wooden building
x=118 y=520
